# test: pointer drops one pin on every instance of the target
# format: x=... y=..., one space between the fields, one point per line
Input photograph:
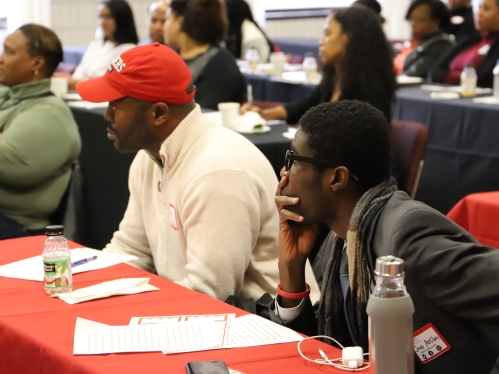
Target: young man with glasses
x=338 y=173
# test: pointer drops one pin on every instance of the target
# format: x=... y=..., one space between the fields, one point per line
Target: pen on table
x=84 y=261
x=250 y=96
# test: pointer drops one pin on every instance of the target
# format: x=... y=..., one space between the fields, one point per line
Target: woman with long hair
x=357 y=64
x=118 y=35
x=195 y=28
x=244 y=33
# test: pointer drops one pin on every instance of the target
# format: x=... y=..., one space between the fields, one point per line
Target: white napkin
x=290 y=134
x=124 y=286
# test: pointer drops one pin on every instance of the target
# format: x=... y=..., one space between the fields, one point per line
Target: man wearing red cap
x=201 y=209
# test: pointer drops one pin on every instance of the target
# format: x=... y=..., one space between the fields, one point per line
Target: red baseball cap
x=151 y=72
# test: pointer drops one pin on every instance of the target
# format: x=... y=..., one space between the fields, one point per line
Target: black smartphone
x=207 y=367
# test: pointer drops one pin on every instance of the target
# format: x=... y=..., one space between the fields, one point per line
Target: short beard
x=138 y=136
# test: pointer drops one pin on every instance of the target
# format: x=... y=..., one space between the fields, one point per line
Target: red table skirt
x=479 y=215
x=36 y=331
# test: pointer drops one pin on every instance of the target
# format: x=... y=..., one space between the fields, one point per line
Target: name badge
x=173 y=217
x=429 y=343
x=484 y=50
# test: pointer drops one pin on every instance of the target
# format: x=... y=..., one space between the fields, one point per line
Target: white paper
x=247 y=331
x=290 y=134
x=86 y=324
x=406 y=80
x=125 y=286
x=437 y=88
x=32 y=268
x=87 y=105
x=72 y=96
x=223 y=325
x=247 y=128
x=487 y=100
x=142 y=338
x=252 y=330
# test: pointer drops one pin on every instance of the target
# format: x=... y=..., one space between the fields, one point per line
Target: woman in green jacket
x=39 y=139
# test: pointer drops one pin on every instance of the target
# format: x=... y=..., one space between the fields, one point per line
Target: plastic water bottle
x=56 y=262
x=253 y=58
x=390 y=311
x=496 y=81
x=310 y=67
x=468 y=81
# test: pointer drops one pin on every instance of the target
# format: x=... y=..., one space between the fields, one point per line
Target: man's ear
x=338 y=178
x=159 y=113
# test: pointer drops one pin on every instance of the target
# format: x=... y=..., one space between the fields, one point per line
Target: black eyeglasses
x=290 y=157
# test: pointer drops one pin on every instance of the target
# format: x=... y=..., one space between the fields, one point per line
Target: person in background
x=462 y=22
x=244 y=33
x=357 y=63
x=156 y=19
x=371 y=4
x=39 y=139
x=196 y=28
x=481 y=50
x=338 y=172
x=118 y=28
x=429 y=42
x=201 y=210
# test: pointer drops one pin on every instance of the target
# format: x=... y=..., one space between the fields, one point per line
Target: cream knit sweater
x=207 y=219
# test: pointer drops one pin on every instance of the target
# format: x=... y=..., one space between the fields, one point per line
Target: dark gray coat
x=453 y=281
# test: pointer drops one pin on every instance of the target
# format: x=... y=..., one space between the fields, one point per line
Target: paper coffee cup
x=278 y=59
x=230 y=112
x=59 y=86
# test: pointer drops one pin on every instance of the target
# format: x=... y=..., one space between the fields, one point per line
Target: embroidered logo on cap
x=429 y=343
x=118 y=64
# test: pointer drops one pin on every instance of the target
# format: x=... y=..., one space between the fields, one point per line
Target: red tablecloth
x=479 y=214
x=36 y=331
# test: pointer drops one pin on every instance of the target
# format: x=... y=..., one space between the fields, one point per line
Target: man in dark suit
x=338 y=172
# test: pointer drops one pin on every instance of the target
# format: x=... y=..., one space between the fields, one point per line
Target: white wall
x=75 y=21
x=20 y=12
x=393 y=11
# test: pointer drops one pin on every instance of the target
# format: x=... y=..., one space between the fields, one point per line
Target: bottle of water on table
x=468 y=81
x=390 y=310
x=56 y=262
x=310 y=67
x=496 y=81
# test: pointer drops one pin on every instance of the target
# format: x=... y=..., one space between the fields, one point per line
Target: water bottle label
x=57 y=273
x=429 y=343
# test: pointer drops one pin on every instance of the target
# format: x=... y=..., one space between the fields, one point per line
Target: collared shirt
x=289 y=314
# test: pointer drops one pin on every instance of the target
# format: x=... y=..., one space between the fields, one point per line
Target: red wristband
x=293 y=295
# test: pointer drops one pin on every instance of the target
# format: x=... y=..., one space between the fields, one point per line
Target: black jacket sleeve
x=427 y=59
x=220 y=82
x=297 y=109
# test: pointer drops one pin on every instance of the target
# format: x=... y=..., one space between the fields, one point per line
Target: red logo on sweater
x=173 y=217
